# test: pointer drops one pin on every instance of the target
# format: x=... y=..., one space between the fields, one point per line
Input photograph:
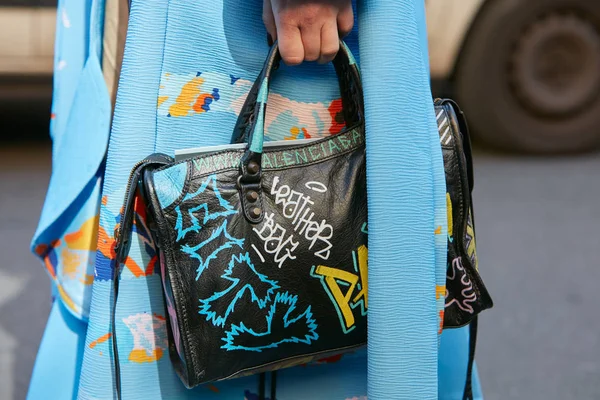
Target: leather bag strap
x=123 y=233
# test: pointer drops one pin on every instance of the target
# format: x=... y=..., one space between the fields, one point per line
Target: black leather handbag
x=263 y=253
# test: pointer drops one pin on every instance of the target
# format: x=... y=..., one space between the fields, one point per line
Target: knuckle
x=310 y=15
x=345 y=26
x=292 y=60
x=330 y=51
x=313 y=56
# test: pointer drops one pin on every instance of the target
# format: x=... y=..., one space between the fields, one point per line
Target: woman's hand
x=308 y=30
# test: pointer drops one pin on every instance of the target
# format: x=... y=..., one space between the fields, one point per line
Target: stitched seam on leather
x=314 y=355
x=328 y=158
x=456 y=150
x=349 y=150
x=176 y=289
x=298 y=146
x=204 y=175
x=462 y=222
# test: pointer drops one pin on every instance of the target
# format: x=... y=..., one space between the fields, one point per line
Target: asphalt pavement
x=538 y=237
x=539 y=246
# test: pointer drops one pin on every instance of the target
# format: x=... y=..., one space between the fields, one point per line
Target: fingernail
x=269 y=39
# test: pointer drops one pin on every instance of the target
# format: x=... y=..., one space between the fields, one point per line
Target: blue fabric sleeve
x=403 y=322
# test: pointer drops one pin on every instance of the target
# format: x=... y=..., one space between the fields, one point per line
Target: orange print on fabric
x=71 y=262
x=137 y=270
x=88 y=280
x=49 y=256
x=85 y=237
x=141 y=356
x=41 y=249
x=191 y=99
x=295 y=132
x=440 y=291
x=140 y=207
x=106 y=244
x=337 y=117
x=189 y=92
x=49 y=267
x=100 y=340
x=201 y=101
x=213 y=388
x=151 y=265
x=161 y=100
x=134 y=268
x=331 y=360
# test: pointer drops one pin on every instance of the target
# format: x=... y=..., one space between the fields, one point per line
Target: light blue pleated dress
x=187 y=69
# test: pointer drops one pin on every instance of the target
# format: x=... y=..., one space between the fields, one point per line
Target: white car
x=526 y=72
x=26 y=48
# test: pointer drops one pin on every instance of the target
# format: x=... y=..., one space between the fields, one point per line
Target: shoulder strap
x=123 y=239
x=468 y=392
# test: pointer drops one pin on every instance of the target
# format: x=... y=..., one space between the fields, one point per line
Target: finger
x=290 y=44
x=311 y=39
x=269 y=19
x=345 y=20
x=330 y=42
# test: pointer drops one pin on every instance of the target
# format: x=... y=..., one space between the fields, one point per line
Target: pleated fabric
x=186 y=71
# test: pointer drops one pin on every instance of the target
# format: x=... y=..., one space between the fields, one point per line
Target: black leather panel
x=274 y=293
x=245 y=296
x=466 y=295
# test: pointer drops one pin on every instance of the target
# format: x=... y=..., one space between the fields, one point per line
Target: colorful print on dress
x=149 y=337
x=70 y=258
x=186 y=95
x=142 y=259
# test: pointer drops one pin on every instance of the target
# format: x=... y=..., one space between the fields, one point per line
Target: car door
x=27 y=37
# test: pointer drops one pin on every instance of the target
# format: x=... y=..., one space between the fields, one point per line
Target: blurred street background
x=527 y=75
x=538 y=242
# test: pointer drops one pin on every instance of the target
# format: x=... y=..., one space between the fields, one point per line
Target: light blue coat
x=220 y=44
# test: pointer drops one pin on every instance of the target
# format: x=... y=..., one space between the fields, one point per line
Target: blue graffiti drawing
x=187 y=220
x=227 y=240
x=299 y=329
x=364 y=228
x=244 y=278
x=205 y=213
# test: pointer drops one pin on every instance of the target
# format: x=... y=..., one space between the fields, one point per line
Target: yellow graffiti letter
x=364 y=276
x=342 y=300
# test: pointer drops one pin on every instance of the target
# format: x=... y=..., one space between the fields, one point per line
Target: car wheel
x=528 y=76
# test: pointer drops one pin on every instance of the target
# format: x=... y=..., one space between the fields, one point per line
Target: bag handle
x=255 y=106
x=240 y=133
x=350 y=88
